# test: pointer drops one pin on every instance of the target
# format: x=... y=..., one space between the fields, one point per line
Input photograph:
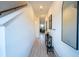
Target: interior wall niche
x=70 y=23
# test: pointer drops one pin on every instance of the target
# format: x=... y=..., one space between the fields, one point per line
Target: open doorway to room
x=42 y=29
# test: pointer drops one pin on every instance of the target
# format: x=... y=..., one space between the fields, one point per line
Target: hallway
x=39 y=50
x=33 y=28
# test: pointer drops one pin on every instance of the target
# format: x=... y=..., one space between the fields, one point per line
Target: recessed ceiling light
x=41 y=7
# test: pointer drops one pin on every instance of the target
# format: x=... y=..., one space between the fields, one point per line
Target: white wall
x=61 y=48
x=2 y=41
x=37 y=33
x=19 y=33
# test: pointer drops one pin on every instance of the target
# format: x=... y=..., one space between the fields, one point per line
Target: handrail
x=12 y=9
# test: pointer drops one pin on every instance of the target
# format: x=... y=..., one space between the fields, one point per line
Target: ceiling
x=40 y=7
x=35 y=4
x=4 y=5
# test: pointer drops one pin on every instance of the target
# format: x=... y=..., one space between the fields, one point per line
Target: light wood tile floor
x=39 y=50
